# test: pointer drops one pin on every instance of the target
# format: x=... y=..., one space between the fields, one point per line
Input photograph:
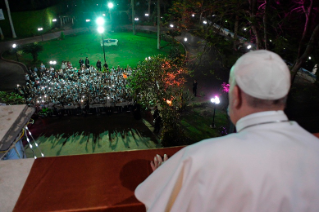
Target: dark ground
x=91 y=124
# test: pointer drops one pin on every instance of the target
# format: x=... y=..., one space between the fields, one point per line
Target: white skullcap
x=262 y=74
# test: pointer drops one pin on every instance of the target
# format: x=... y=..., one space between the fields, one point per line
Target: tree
x=159 y=81
x=33 y=49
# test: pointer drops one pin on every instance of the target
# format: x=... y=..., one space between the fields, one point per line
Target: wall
x=26 y=23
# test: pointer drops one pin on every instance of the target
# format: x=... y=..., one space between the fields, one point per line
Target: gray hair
x=263 y=103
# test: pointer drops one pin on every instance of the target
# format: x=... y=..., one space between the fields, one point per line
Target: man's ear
x=238 y=98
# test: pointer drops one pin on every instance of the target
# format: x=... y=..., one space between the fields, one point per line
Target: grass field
x=196 y=121
x=130 y=50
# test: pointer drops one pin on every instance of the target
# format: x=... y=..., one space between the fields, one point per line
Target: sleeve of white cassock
x=171 y=182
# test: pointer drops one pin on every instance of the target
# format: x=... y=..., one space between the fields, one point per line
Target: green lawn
x=130 y=50
x=196 y=122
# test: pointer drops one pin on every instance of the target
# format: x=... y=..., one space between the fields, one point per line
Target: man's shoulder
x=214 y=144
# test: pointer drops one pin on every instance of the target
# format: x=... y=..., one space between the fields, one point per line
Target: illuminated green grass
x=130 y=50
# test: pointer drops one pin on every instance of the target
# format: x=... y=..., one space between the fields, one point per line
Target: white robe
x=271 y=167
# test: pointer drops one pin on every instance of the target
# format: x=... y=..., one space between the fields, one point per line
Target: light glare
x=100 y=29
x=110 y=5
x=100 y=21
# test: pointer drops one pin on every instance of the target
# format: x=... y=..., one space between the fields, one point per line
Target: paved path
x=11 y=74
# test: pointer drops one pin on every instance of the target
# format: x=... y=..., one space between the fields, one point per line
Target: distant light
x=245 y=29
x=136 y=19
x=110 y=5
x=249 y=47
x=226 y=21
x=54 y=20
x=204 y=22
x=100 y=21
x=193 y=15
x=309 y=58
x=100 y=29
x=185 y=39
x=146 y=14
x=52 y=62
x=103 y=14
x=97 y=4
x=270 y=40
x=88 y=20
x=215 y=100
x=149 y=58
x=171 y=25
x=14 y=45
x=40 y=29
x=161 y=17
x=213 y=15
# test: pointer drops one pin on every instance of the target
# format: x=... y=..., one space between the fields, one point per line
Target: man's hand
x=158 y=161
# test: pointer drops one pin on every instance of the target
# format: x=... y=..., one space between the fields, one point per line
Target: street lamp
x=136 y=19
x=14 y=46
x=110 y=5
x=171 y=25
x=100 y=22
x=54 y=20
x=39 y=30
x=185 y=39
x=146 y=14
x=215 y=101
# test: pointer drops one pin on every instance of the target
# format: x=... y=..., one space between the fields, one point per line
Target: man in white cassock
x=271 y=164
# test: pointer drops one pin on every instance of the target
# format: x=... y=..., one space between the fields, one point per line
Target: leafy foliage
x=159 y=81
x=33 y=49
x=11 y=98
x=62 y=36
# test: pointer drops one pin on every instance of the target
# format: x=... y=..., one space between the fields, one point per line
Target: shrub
x=62 y=36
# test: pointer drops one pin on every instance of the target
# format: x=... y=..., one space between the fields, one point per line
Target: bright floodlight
x=245 y=29
x=52 y=62
x=54 y=20
x=100 y=21
x=40 y=29
x=146 y=14
x=309 y=58
x=185 y=39
x=171 y=25
x=215 y=100
x=204 y=22
x=100 y=29
x=136 y=19
x=14 y=45
x=88 y=20
x=110 y=5
x=193 y=15
x=249 y=47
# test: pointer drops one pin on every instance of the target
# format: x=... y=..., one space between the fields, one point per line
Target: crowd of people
x=77 y=88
